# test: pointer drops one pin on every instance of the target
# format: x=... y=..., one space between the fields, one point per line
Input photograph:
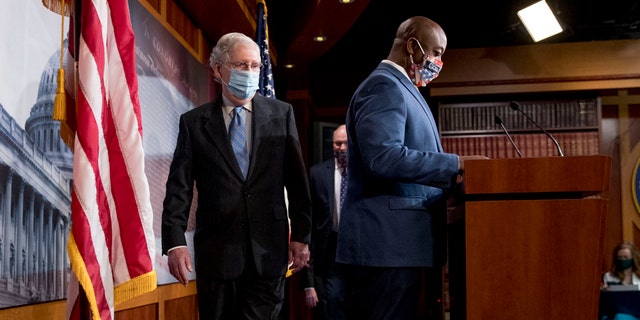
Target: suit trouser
x=381 y=293
x=248 y=297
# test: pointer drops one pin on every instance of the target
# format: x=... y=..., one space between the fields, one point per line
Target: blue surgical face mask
x=243 y=84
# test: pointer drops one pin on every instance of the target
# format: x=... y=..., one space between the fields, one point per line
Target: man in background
x=323 y=282
x=241 y=150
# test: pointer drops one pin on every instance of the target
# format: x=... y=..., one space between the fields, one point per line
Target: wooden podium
x=526 y=242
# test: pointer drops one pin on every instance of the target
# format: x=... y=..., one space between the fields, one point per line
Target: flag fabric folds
x=111 y=243
x=266 y=87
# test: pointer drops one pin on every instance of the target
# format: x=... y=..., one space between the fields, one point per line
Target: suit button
x=243 y=223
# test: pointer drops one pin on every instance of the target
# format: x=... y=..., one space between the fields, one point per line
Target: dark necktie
x=343 y=186
x=238 y=136
x=342 y=164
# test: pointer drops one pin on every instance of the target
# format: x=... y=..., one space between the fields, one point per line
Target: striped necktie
x=238 y=136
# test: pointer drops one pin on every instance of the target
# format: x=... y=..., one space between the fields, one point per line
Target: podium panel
x=537 y=259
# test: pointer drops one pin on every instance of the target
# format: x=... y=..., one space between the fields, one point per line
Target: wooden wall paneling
x=540 y=68
x=171 y=301
x=627 y=103
x=178 y=24
x=178 y=301
x=185 y=308
x=149 y=311
x=610 y=145
x=49 y=310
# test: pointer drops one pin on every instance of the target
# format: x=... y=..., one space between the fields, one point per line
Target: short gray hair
x=226 y=44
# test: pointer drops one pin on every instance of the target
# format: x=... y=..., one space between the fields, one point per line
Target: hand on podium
x=458 y=189
x=461 y=160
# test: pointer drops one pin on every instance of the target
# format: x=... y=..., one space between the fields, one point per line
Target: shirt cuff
x=176 y=247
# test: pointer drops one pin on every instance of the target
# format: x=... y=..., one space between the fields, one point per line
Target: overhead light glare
x=346 y=1
x=539 y=21
x=289 y=66
x=319 y=38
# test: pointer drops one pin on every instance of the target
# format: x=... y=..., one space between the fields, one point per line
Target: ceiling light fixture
x=539 y=21
x=289 y=66
x=319 y=38
x=345 y=1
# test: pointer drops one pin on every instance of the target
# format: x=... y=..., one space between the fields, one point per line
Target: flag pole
x=266 y=83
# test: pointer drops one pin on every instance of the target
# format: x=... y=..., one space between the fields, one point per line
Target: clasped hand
x=298 y=256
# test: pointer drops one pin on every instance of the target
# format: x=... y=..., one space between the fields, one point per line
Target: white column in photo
x=18 y=234
x=30 y=240
x=6 y=221
x=59 y=266
x=49 y=251
x=40 y=249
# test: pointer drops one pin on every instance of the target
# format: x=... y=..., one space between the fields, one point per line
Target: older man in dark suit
x=241 y=151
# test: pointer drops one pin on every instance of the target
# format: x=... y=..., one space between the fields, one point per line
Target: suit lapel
x=261 y=130
x=330 y=183
x=216 y=129
x=416 y=94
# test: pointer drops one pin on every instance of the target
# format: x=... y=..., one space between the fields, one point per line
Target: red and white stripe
x=110 y=201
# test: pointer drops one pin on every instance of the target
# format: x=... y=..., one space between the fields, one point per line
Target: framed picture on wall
x=323 y=140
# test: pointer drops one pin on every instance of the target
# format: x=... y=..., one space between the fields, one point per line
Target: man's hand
x=298 y=256
x=179 y=263
x=310 y=297
x=461 y=160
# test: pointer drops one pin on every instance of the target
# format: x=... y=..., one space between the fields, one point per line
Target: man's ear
x=216 y=70
x=410 y=46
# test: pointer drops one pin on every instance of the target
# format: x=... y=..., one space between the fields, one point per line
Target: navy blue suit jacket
x=235 y=218
x=322 y=185
x=397 y=175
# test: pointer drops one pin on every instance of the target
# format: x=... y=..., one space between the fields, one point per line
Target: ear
x=216 y=70
x=411 y=46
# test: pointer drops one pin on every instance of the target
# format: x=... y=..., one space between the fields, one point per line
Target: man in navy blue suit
x=394 y=215
x=323 y=282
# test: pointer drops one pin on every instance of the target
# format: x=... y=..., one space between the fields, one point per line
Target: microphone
x=501 y=124
x=516 y=106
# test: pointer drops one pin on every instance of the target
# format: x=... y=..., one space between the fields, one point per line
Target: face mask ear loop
x=222 y=81
x=424 y=55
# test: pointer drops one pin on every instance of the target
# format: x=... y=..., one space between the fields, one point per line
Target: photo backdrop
x=36 y=166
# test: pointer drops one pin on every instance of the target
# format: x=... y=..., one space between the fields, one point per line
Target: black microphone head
x=514 y=105
x=498 y=120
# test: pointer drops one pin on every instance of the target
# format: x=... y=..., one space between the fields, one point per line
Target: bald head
x=427 y=32
x=340 y=139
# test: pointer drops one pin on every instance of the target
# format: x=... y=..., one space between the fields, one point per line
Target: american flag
x=266 y=87
x=111 y=243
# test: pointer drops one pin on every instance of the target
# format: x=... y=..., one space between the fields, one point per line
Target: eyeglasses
x=246 y=66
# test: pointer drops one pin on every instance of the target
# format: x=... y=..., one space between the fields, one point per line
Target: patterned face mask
x=429 y=69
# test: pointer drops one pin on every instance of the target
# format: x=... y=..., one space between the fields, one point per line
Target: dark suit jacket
x=236 y=218
x=397 y=176
x=321 y=183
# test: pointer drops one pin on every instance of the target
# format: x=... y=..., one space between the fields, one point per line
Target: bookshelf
x=470 y=128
